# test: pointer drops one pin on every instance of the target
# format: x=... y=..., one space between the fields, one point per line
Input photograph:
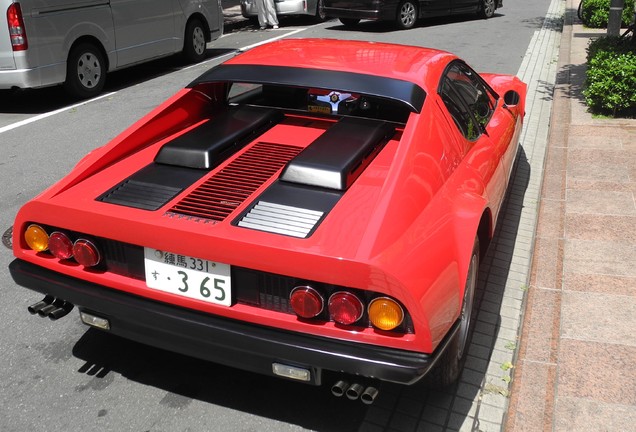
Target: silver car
x=286 y=7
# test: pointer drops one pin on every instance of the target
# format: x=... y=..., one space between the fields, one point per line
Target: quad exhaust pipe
x=51 y=307
x=354 y=391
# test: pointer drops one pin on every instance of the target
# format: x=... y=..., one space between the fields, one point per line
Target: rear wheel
x=320 y=11
x=194 y=44
x=85 y=71
x=349 y=22
x=406 y=14
x=487 y=8
x=450 y=365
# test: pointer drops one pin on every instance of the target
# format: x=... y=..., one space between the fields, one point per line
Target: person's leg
x=272 y=19
x=261 y=7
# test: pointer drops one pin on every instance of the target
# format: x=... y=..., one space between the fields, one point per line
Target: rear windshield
x=318 y=101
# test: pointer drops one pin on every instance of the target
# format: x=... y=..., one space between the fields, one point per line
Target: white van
x=75 y=42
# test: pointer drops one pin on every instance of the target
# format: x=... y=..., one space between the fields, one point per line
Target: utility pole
x=615 y=17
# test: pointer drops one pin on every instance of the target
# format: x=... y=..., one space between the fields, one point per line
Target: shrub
x=595 y=13
x=611 y=77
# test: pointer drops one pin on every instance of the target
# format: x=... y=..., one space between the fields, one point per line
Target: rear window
x=318 y=101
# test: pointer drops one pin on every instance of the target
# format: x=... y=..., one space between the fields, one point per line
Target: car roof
x=404 y=62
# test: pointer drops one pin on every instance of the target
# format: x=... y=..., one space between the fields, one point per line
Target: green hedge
x=611 y=77
x=595 y=13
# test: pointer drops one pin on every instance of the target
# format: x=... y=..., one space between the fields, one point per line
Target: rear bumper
x=19 y=78
x=229 y=342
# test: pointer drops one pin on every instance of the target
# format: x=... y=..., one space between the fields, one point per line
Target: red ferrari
x=310 y=209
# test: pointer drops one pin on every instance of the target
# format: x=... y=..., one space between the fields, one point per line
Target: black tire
x=450 y=365
x=320 y=11
x=349 y=22
x=85 y=71
x=194 y=42
x=487 y=9
x=406 y=14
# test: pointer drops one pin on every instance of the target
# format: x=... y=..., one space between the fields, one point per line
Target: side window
x=458 y=111
x=466 y=96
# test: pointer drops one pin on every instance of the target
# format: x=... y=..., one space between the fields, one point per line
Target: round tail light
x=86 y=253
x=36 y=238
x=60 y=245
x=345 y=308
x=306 y=301
x=385 y=313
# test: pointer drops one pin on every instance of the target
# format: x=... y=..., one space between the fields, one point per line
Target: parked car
x=75 y=42
x=405 y=13
x=313 y=8
x=297 y=211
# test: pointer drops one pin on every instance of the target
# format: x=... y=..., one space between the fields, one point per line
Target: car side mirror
x=511 y=98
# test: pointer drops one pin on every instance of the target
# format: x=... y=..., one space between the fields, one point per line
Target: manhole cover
x=7 y=238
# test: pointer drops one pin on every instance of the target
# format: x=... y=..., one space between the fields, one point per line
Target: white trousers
x=266 y=13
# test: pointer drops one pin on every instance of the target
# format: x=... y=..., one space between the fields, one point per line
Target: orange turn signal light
x=37 y=238
x=385 y=313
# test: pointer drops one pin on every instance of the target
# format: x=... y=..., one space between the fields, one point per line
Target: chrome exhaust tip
x=61 y=311
x=368 y=396
x=37 y=307
x=339 y=388
x=354 y=391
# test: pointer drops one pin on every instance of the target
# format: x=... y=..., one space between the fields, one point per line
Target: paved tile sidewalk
x=575 y=370
x=480 y=400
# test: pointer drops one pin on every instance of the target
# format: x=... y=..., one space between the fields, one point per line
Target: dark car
x=405 y=12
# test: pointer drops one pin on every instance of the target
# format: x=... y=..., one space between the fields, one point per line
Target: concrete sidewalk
x=575 y=369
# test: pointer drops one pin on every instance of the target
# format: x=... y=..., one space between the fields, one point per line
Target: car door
x=144 y=29
x=464 y=6
x=435 y=7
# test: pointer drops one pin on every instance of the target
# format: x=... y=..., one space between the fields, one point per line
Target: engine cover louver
x=223 y=192
x=281 y=219
x=140 y=195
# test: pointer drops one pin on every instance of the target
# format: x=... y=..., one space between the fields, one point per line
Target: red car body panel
x=404 y=228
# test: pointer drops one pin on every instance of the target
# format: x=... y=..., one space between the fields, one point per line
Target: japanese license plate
x=188 y=276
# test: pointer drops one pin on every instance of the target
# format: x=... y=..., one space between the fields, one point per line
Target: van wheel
x=194 y=44
x=85 y=71
x=451 y=363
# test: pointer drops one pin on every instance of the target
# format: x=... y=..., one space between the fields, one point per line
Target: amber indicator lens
x=345 y=308
x=306 y=301
x=60 y=245
x=385 y=313
x=36 y=238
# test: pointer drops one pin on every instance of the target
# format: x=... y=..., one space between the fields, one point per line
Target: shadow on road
x=185 y=379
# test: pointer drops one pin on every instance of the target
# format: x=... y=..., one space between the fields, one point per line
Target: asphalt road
x=61 y=376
